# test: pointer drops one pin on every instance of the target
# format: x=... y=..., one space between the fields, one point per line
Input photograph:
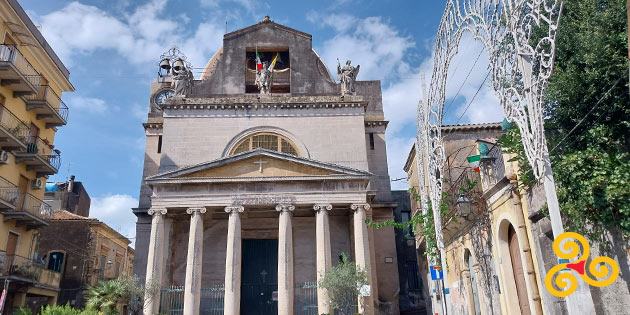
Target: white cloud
x=115 y=211
x=140 y=37
x=88 y=104
x=370 y=42
x=339 y=22
x=139 y=111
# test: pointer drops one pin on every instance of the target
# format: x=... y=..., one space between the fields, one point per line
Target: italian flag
x=258 y=62
x=474 y=162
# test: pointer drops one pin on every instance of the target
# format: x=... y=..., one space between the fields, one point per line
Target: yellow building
x=32 y=79
x=492 y=268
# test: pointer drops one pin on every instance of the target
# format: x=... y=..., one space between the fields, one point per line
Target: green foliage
x=342 y=283
x=511 y=143
x=417 y=223
x=23 y=311
x=594 y=187
x=106 y=295
x=60 y=310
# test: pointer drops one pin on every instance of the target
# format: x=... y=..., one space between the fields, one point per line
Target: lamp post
x=464 y=205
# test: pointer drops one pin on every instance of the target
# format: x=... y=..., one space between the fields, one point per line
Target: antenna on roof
x=225 y=24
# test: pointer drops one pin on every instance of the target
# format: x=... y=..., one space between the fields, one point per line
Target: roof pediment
x=265 y=23
x=260 y=164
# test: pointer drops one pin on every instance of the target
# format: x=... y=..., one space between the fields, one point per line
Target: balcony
x=26 y=271
x=13 y=132
x=27 y=210
x=48 y=106
x=39 y=156
x=17 y=72
x=8 y=195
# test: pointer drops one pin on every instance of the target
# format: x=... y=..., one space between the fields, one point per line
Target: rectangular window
x=404 y=218
x=159 y=144
x=280 y=81
x=371 y=141
x=413 y=280
x=117 y=269
x=101 y=274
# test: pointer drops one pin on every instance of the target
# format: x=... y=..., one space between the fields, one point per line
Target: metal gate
x=212 y=297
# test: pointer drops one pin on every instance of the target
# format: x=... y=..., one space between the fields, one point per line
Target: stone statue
x=263 y=78
x=182 y=81
x=346 y=76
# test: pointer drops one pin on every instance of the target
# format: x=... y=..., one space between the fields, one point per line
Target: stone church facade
x=248 y=198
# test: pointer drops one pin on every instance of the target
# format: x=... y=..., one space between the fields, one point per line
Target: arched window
x=265 y=140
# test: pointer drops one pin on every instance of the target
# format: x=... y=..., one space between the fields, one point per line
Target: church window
x=371 y=141
x=281 y=77
x=159 y=150
x=269 y=141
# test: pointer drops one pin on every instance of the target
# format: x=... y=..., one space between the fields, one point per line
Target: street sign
x=436 y=273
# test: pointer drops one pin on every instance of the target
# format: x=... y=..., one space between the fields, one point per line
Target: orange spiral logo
x=566 y=281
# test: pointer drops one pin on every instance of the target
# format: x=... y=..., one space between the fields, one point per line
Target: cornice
x=152 y=125
x=376 y=123
x=198 y=180
x=262 y=106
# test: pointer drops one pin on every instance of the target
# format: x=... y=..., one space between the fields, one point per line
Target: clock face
x=161 y=97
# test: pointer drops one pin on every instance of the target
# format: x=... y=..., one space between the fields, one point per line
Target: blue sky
x=112 y=47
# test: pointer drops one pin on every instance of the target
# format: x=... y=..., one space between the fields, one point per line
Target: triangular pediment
x=266 y=23
x=261 y=163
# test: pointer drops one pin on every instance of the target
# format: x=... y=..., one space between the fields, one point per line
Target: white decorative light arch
x=519 y=37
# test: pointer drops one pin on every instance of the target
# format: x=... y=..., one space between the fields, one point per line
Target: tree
x=107 y=295
x=342 y=282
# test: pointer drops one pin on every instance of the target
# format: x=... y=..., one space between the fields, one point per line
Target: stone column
x=232 y=298
x=285 y=260
x=192 y=287
x=362 y=252
x=154 y=262
x=324 y=258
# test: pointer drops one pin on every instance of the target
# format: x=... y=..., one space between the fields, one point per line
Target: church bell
x=179 y=65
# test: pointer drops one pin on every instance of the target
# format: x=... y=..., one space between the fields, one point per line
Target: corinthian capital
x=322 y=206
x=200 y=210
x=235 y=209
x=360 y=206
x=157 y=211
x=285 y=207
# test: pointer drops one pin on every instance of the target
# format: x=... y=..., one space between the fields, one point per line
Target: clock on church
x=162 y=96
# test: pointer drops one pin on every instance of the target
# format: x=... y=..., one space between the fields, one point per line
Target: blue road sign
x=436 y=273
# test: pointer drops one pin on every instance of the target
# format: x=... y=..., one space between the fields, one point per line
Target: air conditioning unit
x=37 y=183
x=4 y=157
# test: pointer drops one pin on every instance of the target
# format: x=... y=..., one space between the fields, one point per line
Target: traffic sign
x=436 y=273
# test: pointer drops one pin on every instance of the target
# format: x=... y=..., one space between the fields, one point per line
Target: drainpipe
x=531 y=274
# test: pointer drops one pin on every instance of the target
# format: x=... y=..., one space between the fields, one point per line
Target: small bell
x=165 y=64
x=179 y=65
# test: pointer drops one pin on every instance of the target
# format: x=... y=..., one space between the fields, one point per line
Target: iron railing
x=12 y=124
x=8 y=191
x=44 y=149
x=33 y=205
x=212 y=299
x=492 y=167
x=306 y=298
x=28 y=269
x=46 y=94
x=455 y=187
x=11 y=54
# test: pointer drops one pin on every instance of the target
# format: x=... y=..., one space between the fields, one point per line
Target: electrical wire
x=473 y=98
x=462 y=85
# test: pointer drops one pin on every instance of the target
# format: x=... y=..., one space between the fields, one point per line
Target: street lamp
x=464 y=205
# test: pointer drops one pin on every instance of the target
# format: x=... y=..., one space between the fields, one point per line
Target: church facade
x=258 y=176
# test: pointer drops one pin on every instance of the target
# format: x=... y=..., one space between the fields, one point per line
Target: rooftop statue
x=264 y=77
x=346 y=76
x=182 y=80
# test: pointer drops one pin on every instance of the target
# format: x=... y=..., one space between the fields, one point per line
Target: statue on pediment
x=182 y=79
x=263 y=78
x=346 y=76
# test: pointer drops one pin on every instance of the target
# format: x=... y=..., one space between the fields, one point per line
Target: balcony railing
x=44 y=149
x=10 y=54
x=8 y=193
x=13 y=125
x=28 y=270
x=492 y=167
x=46 y=95
x=33 y=205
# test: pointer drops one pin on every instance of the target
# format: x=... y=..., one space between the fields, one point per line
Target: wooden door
x=259 y=277
x=22 y=189
x=519 y=272
x=12 y=242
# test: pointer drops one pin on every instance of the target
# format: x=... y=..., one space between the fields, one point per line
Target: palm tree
x=106 y=295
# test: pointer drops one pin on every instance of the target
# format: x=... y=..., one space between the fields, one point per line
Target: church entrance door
x=259 y=277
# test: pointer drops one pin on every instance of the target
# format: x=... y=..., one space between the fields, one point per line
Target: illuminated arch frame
x=301 y=149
